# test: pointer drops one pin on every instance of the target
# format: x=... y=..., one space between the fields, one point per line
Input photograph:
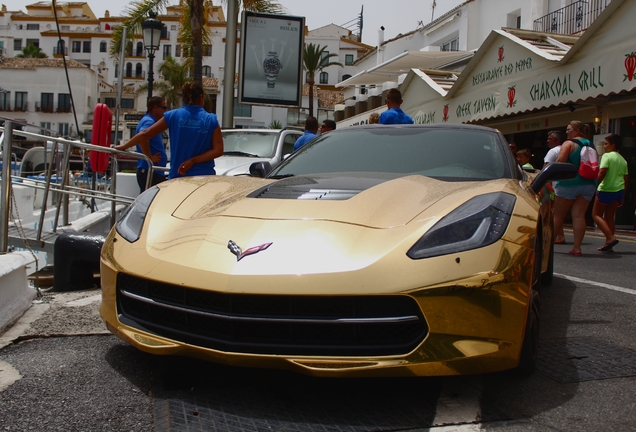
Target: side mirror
x=260 y=169
x=552 y=172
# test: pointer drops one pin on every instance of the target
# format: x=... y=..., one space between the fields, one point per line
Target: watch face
x=272 y=65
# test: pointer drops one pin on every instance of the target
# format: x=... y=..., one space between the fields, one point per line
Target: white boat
x=43 y=200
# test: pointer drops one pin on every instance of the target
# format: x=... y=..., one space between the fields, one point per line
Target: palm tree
x=175 y=74
x=31 y=51
x=315 y=60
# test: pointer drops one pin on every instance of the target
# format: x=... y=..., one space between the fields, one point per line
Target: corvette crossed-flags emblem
x=236 y=249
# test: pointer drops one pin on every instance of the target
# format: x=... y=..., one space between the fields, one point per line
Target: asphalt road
x=64 y=372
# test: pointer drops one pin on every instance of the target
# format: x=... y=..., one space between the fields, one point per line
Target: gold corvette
x=371 y=251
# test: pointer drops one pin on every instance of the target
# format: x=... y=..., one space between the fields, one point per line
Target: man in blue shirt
x=154 y=149
x=311 y=127
x=394 y=115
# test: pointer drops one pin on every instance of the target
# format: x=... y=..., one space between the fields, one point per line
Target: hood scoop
x=305 y=194
x=331 y=188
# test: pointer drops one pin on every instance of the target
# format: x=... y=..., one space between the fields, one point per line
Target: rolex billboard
x=271 y=59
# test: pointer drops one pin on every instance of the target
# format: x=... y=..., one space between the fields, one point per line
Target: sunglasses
x=163 y=107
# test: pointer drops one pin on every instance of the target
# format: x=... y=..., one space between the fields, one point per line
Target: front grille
x=272 y=324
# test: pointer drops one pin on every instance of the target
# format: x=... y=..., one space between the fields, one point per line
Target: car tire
x=530 y=345
x=547 y=277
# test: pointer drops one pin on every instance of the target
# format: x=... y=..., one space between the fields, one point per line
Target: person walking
x=612 y=178
x=153 y=148
x=394 y=115
x=195 y=135
x=311 y=128
x=573 y=195
x=555 y=139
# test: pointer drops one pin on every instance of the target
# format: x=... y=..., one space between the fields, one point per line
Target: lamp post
x=152 y=36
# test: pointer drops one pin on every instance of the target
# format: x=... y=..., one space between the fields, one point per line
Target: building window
x=177 y=51
x=103 y=46
x=46 y=102
x=116 y=70
x=5 y=99
x=173 y=27
x=110 y=102
x=65 y=28
x=87 y=47
x=207 y=71
x=21 y=101
x=207 y=50
x=324 y=58
x=139 y=71
x=139 y=50
x=324 y=77
x=128 y=72
x=64 y=102
x=167 y=51
x=45 y=128
x=76 y=46
x=242 y=110
x=348 y=59
x=127 y=103
x=33 y=27
x=17 y=44
x=34 y=42
x=346 y=77
x=62 y=129
x=452 y=45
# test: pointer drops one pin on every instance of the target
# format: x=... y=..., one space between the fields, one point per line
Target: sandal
x=559 y=242
x=575 y=253
x=607 y=246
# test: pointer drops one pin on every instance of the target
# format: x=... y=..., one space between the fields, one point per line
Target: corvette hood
x=372 y=201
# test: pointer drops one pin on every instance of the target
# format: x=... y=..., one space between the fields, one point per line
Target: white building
x=86 y=39
x=35 y=92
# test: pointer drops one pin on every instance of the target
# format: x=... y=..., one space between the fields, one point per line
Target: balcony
x=47 y=108
x=134 y=75
x=571 y=19
x=22 y=107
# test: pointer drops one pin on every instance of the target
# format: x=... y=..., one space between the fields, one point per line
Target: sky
x=397 y=16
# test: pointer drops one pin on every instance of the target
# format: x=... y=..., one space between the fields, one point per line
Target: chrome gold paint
x=474 y=302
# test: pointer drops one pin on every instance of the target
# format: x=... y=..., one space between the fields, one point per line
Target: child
x=523 y=157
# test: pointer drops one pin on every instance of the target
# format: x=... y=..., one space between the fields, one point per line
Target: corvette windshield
x=249 y=144
x=457 y=154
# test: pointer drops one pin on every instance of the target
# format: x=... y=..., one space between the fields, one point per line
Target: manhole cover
x=584 y=359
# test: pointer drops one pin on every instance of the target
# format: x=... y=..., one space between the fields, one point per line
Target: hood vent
x=300 y=193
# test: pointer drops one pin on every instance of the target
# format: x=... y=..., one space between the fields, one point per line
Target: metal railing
x=65 y=188
x=571 y=19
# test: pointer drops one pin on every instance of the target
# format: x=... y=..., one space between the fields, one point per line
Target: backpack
x=588 y=168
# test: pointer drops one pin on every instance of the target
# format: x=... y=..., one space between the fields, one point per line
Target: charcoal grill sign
x=271 y=59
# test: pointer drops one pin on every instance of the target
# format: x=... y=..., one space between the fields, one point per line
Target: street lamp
x=152 y=36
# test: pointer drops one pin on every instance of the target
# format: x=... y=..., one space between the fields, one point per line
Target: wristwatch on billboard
x=272 y=66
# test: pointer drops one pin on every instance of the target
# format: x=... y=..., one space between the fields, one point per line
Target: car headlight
x=129 y=226
x=478 y=222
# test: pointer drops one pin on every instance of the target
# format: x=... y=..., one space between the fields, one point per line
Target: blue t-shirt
x=395 y=116
x=191 y=129
x=156 y=143
x=304 y=139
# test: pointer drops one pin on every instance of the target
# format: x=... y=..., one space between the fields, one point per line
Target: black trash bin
x=76 y=261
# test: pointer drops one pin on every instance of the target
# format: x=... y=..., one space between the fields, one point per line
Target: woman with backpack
x=612 y=179
x=573 y=195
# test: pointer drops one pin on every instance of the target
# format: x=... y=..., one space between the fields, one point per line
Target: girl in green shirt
x=612 y=178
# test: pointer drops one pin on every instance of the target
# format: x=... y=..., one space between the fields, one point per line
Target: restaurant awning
x=391 y=69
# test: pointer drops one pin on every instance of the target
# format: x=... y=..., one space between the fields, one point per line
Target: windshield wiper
x=281 y=176
x=239 y=153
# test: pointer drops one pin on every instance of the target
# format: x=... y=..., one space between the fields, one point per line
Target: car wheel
x=546 y=278
x=530 y=346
